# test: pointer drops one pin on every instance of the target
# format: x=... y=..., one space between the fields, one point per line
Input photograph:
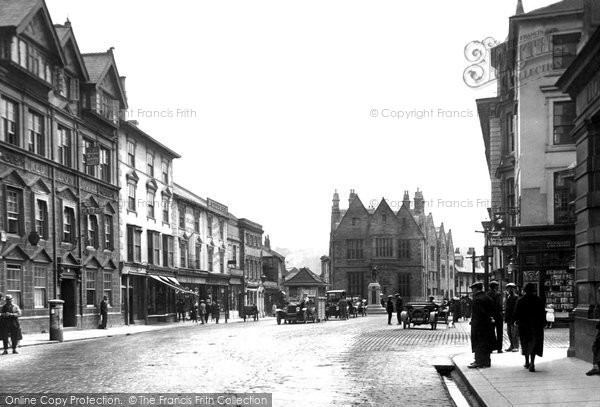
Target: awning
x=167 y=282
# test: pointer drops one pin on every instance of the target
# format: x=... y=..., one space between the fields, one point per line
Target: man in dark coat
x=530 y=315
x=483 y=340
x=390 y=309
x=216 y=310
x=496 y=298
x=509 y=315
x=9 y=324
x=596 y=347
x=399 y=304
x=103 y=312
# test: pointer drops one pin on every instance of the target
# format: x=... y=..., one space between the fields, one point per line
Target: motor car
x=419 y=314
x=332 y=298
x=292 y=313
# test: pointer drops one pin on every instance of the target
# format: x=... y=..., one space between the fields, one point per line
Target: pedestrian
x=274 y=310
x=180 y=308
x=343 y=308
x=399 y=304
x=390 y=309
x=194 y=313
x=596 y=347
x=202 y=311
x=509 y=315
x=483 y=340
x=215 y=311
x=103 y=312
x=9 y=324
x=496 y=297
x=530 y=315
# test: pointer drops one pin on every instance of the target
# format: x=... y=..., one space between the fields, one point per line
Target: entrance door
x=68 y=290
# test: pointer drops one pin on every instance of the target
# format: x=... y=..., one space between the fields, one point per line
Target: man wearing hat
x=389 y=308
x=399 y=304
x=483 y=340
x=511 y=329
x=496 y=298
x=9 y=324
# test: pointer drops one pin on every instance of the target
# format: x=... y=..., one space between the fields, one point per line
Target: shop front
x=546 y=259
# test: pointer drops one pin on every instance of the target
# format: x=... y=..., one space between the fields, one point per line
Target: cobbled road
x=358 y=362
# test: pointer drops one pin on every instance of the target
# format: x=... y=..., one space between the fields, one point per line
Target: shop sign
x=502 y=241
x=531 y=275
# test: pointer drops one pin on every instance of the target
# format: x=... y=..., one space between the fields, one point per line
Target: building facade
x=59 y=193
x=403 y=247
x=251 y=257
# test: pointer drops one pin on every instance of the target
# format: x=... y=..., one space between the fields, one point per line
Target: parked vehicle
x=293 y=313
x=419 y=314
x=331 y=303
x=250 y=311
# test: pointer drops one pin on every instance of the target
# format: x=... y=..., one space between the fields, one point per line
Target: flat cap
x=494 y=283
x=509 y=285
x=477 y=284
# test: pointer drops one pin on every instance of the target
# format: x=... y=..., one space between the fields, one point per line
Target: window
x=432 y=253
x=510 y=133
x=93 y=231
x=64 y=146
x=183 y=253
x=39 y=287
x=564 y=121
x=210 y=253
x=9 y=118
x=443 y=271
x=68 y=223
x=168 y=251
x=131 y=153
x=35 y=61
x=354 y=221
x=150 y=164
x=164 y=167
x=564 y=49
x=88 y=146
x=221 y=229
x=104 y=164
x=14 y=210
x=107 y=286
x=234 y=255
x=13 y=283
x=150 y=204
x=198 y=256
x=131 y=196
x=356 y=284
x=404 y=284
x=134 y=244
x=564 y=197
x=383 y=218
x=404 y=249
x=165 y=209
x=41 y=218
x=221 y=261
x=383 y=247
x=108 y=232
x=354 y=249
x=153 y=248
x=196 y=222
x=90 y=287
x=182 y=216
x=35 y=133
x=209 y=222
x=510 y=201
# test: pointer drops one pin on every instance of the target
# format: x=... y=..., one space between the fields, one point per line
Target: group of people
x=9 y=324
x=389 y=307
x=525 y=319
x=198 y=311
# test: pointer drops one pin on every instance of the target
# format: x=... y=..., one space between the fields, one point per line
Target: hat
x=397 y=295
x=511 y=285
x=494 y=283
x=390 y=296
x=477 y=284
x=9 y=297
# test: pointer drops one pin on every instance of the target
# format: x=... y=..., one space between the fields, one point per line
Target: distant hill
x=310 y=258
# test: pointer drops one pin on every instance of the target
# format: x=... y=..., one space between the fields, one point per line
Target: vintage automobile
x=292 y=313
x=419 y=314
x=332 y=299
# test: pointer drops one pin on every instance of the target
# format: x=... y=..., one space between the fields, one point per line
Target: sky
x=274 y=105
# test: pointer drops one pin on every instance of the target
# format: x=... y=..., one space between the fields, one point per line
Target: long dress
x=530 y=315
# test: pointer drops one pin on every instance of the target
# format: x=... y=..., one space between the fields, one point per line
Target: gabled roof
x=41 y=255
x=556 y=8
x=67 y=39
x=99 y=65
x=15 y=252
x=304 y=277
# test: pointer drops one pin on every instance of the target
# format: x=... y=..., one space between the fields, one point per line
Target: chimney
x=406 y=200
x=267 y=242
x=419 y=204
x=351 y=197
x=335 y=210
x=122 y=82
x=68 y=23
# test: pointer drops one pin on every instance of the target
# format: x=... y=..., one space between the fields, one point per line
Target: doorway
x=68 y=290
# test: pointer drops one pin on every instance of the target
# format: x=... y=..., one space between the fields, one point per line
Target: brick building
x=59 y=194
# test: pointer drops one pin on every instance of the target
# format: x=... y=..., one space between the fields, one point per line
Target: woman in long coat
x=530 y=317
x=483 y=338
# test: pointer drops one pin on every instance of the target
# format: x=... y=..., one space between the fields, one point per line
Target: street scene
x=328 y=203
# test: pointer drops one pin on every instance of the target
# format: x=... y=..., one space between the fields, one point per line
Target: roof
x=125 y=123
x=304 y=277
x=96 y=64
x=565 y=6
x=15 y=11
x=188 y=195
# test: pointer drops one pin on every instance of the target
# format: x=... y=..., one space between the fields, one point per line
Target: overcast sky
x=276 y=101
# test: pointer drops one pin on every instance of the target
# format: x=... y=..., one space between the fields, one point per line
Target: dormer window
x=33 y=60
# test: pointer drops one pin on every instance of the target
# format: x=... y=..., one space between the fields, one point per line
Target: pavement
x=558 y=380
